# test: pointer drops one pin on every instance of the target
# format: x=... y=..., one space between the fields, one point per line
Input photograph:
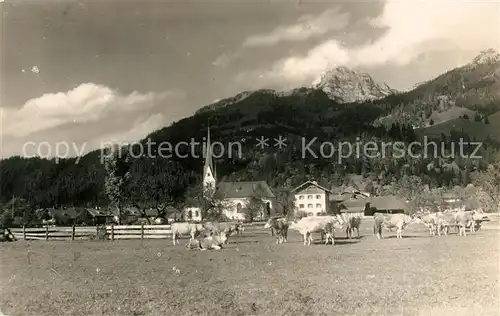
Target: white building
x=236 y=195
x=311 y=198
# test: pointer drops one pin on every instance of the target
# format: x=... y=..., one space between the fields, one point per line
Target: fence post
x=47 y=232
x=24 y=232
x=112 y=231
x=142 y=230
x=73 y=232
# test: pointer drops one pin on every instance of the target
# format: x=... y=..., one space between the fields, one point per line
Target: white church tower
x=209 y=170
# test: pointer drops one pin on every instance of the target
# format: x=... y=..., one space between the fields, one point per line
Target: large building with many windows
x=311 y=198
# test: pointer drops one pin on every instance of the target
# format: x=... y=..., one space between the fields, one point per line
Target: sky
x=89 y=73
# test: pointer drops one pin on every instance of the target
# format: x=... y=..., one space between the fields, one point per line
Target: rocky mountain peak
x=487 y=56
x=345 y=85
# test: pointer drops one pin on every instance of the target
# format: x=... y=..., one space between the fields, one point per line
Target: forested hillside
x=301 y=114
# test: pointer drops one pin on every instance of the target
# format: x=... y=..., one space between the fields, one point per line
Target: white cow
x=353 y=221
x=430 y=221
x=179 y=229
x=398 y=221
x=317 y=224
x=210 y=242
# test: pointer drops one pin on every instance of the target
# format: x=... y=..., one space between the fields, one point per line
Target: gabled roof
x=245 y=189
x=340 y=197
x=313 y=183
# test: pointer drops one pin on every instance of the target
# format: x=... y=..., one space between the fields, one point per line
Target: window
x=310 y=214
x=318 y=205
x=301 y=205
x=309 y=205
x=309 y=197
x=318 y=196
x=190 y=214
x=238 y=207
x=301 y=197
x=196 y=214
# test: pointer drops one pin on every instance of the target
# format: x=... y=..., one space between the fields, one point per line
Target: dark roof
x=131 y=211
x=389 y=202
x=245 y=189
x=70 y=212
x=96 y=213
x=344 y=196
x=355 y=205
x=312 y=183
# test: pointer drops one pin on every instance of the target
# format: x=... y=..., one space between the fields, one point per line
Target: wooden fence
x=89 y=232
x=139 y=231
x=54 y=233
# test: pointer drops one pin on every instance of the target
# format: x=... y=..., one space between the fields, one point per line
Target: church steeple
x=209 y=179
x=208 y=154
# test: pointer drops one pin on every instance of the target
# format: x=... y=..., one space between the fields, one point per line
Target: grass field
x=419 y=275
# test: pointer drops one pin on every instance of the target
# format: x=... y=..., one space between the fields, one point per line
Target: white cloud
x=86 y=103
x=225 y=59
x=412 y=27
x=142 y=127
x=307 y=26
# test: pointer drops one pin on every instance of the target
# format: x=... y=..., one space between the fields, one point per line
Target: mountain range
x=345 y=85
x=341 y=105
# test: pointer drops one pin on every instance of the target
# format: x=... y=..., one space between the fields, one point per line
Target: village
x=256 y=201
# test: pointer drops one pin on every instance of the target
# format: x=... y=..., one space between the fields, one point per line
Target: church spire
x=209 y=180
x=208 y=154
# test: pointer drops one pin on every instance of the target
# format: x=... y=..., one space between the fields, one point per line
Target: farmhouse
x=311 y=198
x=236 y=195
x=354 y=205
x=389 y=204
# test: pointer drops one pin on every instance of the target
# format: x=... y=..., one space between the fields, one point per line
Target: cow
x=352 y=222
x=279 y=226
x=210 y=242
x=215 y=228
x=463 y=219
x=389 y=221
x=317 y=224
x=191 y=229
x=445 y=220
x=430 y=221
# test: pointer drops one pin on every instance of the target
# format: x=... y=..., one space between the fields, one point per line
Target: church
x=236 y=195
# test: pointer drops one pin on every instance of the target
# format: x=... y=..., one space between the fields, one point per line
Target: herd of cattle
x=212 y=235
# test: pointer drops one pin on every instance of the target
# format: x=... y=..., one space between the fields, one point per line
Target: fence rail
x=89 y=232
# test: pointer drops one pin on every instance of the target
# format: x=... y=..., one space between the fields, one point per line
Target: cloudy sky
x=110 y=71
